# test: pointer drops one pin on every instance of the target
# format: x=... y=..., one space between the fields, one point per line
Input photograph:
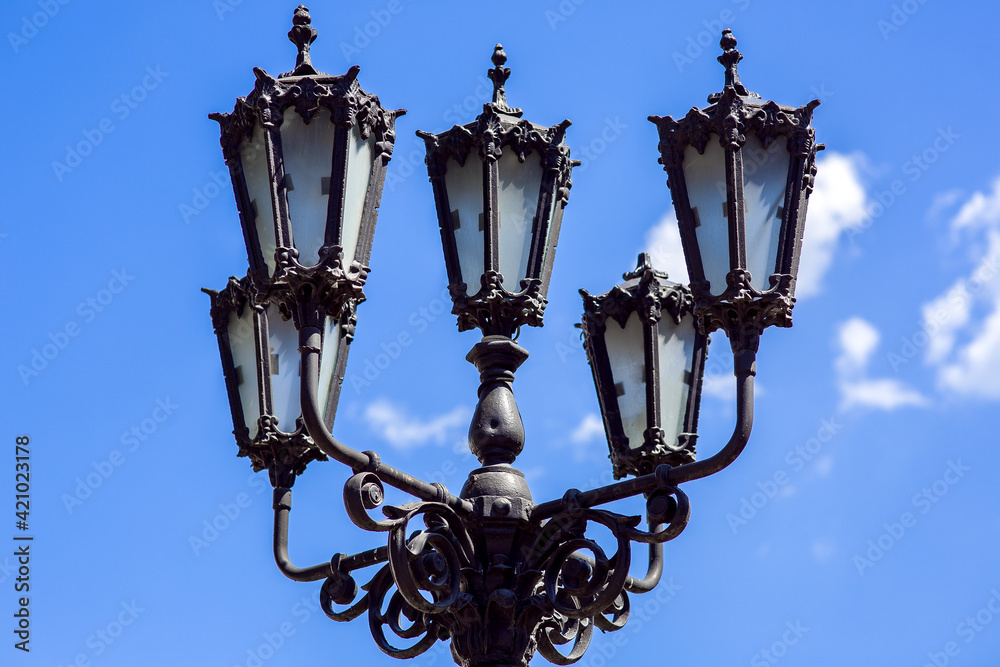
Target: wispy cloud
x=837 y=203
x=857 y=340
x=590 y=428
x=403 y=431
x=963 y=323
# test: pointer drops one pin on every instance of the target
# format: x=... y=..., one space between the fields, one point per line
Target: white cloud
x=946 y=316
x=962 y=325
x=884 y=394
x=857 y=340
x=589 y=428
x=942 y=201
x=722 y=387
x=981 y=210
x=663 y=243
x=838 y=202
x=976 y=368
x=405 y=432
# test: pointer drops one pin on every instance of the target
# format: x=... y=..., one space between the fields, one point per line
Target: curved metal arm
x=745 y=362
x=309 y=347
x=665 y=476
x=282 y=505
x=653 y=573
x=339 y=563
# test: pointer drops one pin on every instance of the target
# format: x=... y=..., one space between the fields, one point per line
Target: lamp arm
x=745 y=368
x=309 y=347
x=282 y=505
x=338 y=566
x=653 y=573
x=665 y=476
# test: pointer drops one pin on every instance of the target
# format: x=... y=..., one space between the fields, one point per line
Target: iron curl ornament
x=489 y=570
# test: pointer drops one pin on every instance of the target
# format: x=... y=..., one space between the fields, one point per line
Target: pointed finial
x=499 y=75
x=729 y=59
x=302 y=35
x=643 y=266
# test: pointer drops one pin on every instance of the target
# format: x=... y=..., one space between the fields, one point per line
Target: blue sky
x=860 y=526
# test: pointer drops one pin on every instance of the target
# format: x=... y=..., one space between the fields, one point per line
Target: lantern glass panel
x=283 y=347
x=359 y=168
x=258 y=182
x=628 y=369
x=765 y=174
x=705 y=176
x=307 y=151
x=465 y=197
x=676 y=349
x=243 y=348
x=328 y=366
x=520 y=185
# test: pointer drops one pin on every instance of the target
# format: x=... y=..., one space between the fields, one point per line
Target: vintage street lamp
x=490 y=570
x=740 y=172
x=648 y=360
x=500 y=185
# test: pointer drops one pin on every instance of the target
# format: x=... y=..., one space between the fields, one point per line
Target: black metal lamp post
x=497 y=574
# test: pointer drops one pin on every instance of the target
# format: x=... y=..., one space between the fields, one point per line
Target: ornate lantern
x=307 y=154
x=500 y=185
x=740 y=172
x=260 y=361
x=648 y=361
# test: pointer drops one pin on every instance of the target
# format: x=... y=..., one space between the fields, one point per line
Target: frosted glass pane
x=359 y=169
x=628 y=367
x=283 y=347
x=706 y=185
x=308 y=159
x=328 y=364
x=465 y=196
x=254 y=161
x=520 y=184
x=241 y=345
x=676 y=346
x=764 y=176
